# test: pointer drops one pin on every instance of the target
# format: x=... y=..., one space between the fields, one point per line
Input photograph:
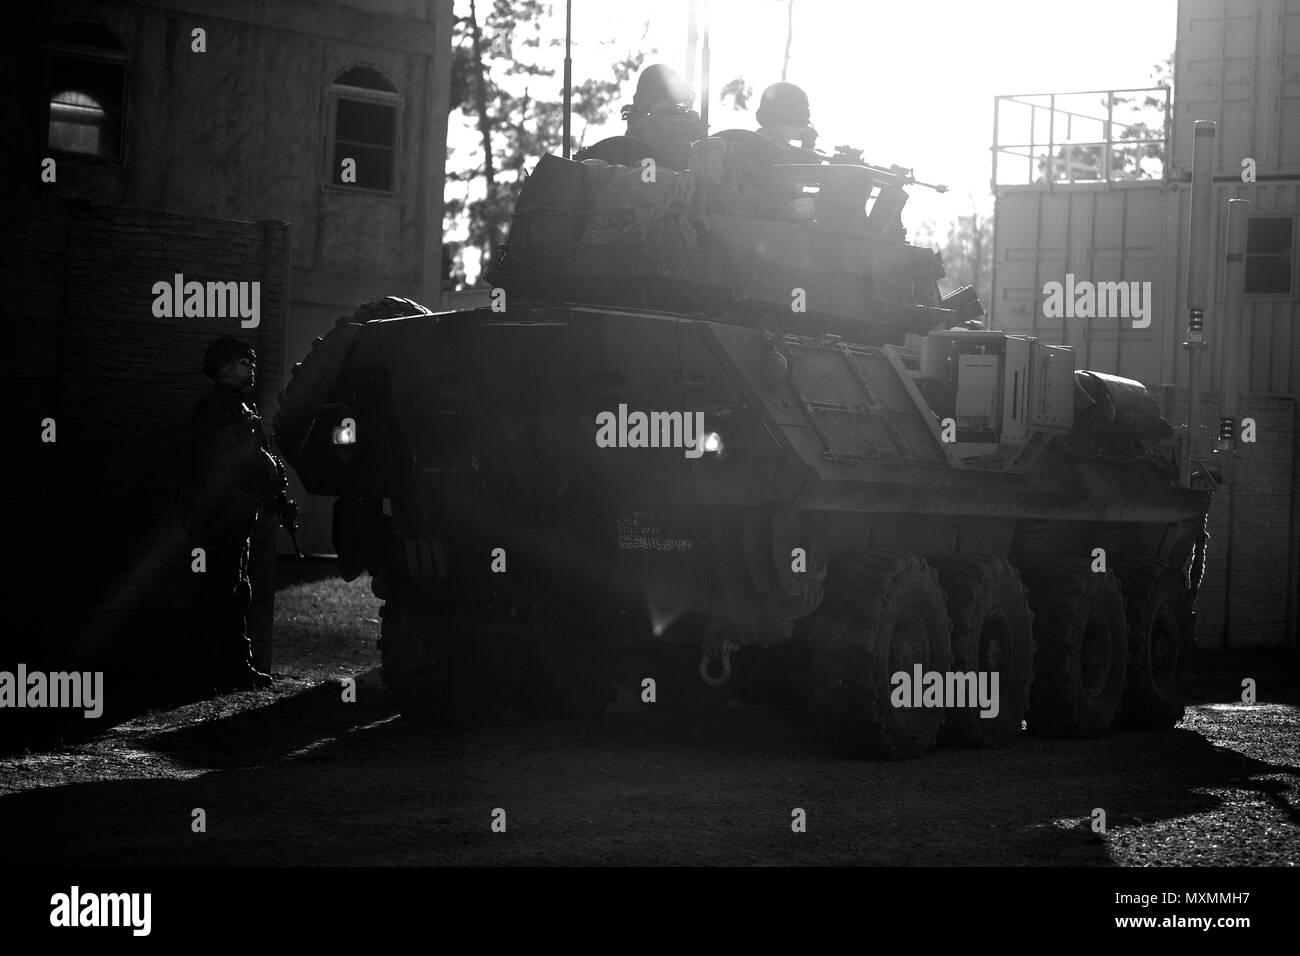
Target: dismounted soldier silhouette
x=233 y=479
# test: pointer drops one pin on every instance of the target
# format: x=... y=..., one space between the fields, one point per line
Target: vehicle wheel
x=1161 y=644
x=566 y=679
x=313 y=377
x=883 y=613
x=992 y=632
x=1081 y=649
x=440 y=673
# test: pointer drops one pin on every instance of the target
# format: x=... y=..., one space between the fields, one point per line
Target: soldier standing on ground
x=233 y=479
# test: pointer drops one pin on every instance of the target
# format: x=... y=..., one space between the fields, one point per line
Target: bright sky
x=909 y=82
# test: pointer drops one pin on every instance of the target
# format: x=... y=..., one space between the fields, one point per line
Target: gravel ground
x=296 y=776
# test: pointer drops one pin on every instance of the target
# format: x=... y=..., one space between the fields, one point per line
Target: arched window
x=86 y=89
x=365 y=110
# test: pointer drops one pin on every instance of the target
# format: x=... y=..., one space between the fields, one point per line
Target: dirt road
x=298 y=776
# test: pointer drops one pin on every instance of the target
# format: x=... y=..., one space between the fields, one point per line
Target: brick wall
x=1250 y=575
x=101 y=564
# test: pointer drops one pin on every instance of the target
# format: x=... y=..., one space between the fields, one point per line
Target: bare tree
x=480 y=94
x=738 y=91
x=967 y=253
x=514 y=128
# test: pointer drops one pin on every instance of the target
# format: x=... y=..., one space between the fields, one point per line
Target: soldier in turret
x=784 y=116
x=660 y=113
x=233 y=479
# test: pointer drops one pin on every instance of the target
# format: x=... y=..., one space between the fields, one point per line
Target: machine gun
x=287 y=509
x=285 y=506
x=902 y=176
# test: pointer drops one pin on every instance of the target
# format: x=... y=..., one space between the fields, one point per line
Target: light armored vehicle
x=720 y=435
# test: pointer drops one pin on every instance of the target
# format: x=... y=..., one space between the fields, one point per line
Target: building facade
x=289 y=158
x=331 y=117
x=98 y=395
x=1096 y=187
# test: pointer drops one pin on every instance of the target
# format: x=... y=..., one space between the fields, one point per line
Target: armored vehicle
x=719 y=434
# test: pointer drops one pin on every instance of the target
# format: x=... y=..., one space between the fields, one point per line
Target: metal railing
x=1089 y=137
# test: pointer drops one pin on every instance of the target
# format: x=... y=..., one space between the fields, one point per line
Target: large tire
x=440 y=672
x=312 y=378
x=1081 y=649
x=565 y=680
x=992 y=632
x=883 y=612
x=1161 y=644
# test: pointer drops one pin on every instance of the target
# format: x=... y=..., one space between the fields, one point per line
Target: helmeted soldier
x=660 y=113
x=233 y=478
x=783 y=116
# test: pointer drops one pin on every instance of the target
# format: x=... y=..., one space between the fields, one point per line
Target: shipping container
x=1088 y=207
x=1238 y=61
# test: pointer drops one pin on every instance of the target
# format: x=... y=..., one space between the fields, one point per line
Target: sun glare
x=907 y=84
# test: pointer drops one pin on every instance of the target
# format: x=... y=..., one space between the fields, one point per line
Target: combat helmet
x=783 y=104
x=656 y=84
x=222 y=351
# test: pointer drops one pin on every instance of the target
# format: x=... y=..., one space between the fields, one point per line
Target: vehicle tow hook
x=708 y=678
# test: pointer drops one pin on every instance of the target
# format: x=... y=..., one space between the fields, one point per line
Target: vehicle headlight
x=345 y=433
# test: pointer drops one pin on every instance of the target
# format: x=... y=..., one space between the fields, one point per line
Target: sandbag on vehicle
x=629 y=209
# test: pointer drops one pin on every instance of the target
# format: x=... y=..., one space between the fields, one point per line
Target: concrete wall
x=102 y=565
x=244 y=127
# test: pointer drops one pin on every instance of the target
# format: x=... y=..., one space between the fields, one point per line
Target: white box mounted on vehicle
x=1000 y=389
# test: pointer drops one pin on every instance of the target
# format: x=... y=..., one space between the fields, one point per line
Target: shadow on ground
x=310 y=780
x=283 y=727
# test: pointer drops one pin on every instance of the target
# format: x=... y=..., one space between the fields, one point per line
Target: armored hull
x=566 y=490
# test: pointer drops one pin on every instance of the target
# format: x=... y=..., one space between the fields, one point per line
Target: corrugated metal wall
x=1238 y=61
x=1138 y=233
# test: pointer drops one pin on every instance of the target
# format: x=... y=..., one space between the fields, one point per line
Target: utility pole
x=1234 y=294
x=568 y=75
x=692 y=43
x=789 y=36
x=1198 y=270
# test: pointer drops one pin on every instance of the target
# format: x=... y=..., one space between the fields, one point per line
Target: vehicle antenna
x=568 y=75
x=704 y=111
